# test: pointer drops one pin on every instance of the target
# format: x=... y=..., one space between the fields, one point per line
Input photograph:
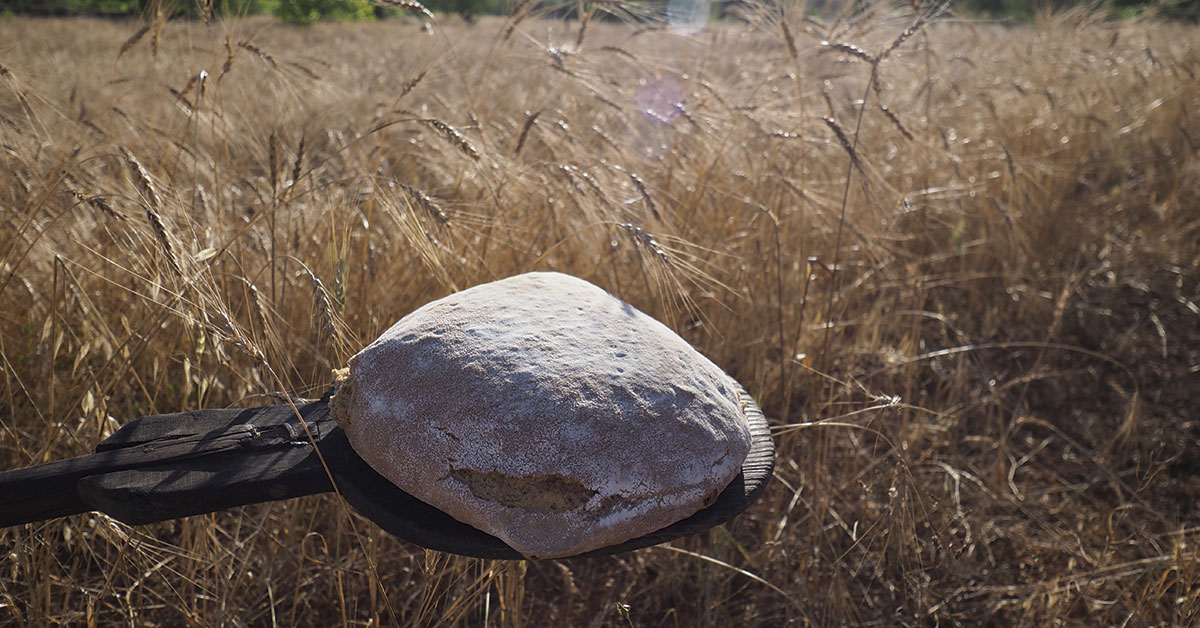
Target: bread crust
x=546 y=412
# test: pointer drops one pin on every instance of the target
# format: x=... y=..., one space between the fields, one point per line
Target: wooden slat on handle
x=49 y=490
x=176 y=465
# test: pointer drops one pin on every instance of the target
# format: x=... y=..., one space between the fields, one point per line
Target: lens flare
x=688 y=17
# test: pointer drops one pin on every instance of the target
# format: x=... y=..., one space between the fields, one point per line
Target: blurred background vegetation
x=308 y=11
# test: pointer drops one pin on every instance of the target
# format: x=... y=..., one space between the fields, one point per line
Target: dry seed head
x=453 y=136
x=260 y=53
x=644 y=238
x=164 y=241
x=307 y=71
x=427 y=203
x=908 y=32
x=568 y=171
x=411 y=83
x=679 y=108
x=240 y=343
x=603 y=99
x=656 y=116
x=641 y=188
x=225 y=67
x=98 y=203
x=849 y=49
x=324 y=309
x=593 y=184
x=517 y=14
x=787 y=38
x=155 y=33
x=296 y=165
x=604 y=138
x=530 y=119
x=619 y=51
x=142 y=179
x=844 y=140
x=256 y=304
x=412 y=6
x=133 y=40
x=896 y=121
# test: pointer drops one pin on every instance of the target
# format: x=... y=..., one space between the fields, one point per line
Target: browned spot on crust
x=535 y=493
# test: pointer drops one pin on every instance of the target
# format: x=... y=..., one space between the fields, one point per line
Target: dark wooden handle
x=46 y=491
x=170 y=466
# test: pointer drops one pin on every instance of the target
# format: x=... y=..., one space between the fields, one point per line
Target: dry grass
x=960 y=272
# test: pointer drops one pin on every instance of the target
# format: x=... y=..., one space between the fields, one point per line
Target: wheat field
x=956 y=263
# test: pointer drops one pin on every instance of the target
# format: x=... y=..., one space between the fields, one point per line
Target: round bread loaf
x=546 y=412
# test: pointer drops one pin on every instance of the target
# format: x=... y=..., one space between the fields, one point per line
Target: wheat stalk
x=98 y=202
x=643 y=238
x=427 y=203
x=641 y=188
x=142 y=178
x=849 y=49
x=844 y=140
x=452 y=135
x=517 y=15
x=259 y=52
x=896 y=121
x=411 y=84
x=412 y=6
x=228 y=65
x=133 y=39
x=530 y=119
